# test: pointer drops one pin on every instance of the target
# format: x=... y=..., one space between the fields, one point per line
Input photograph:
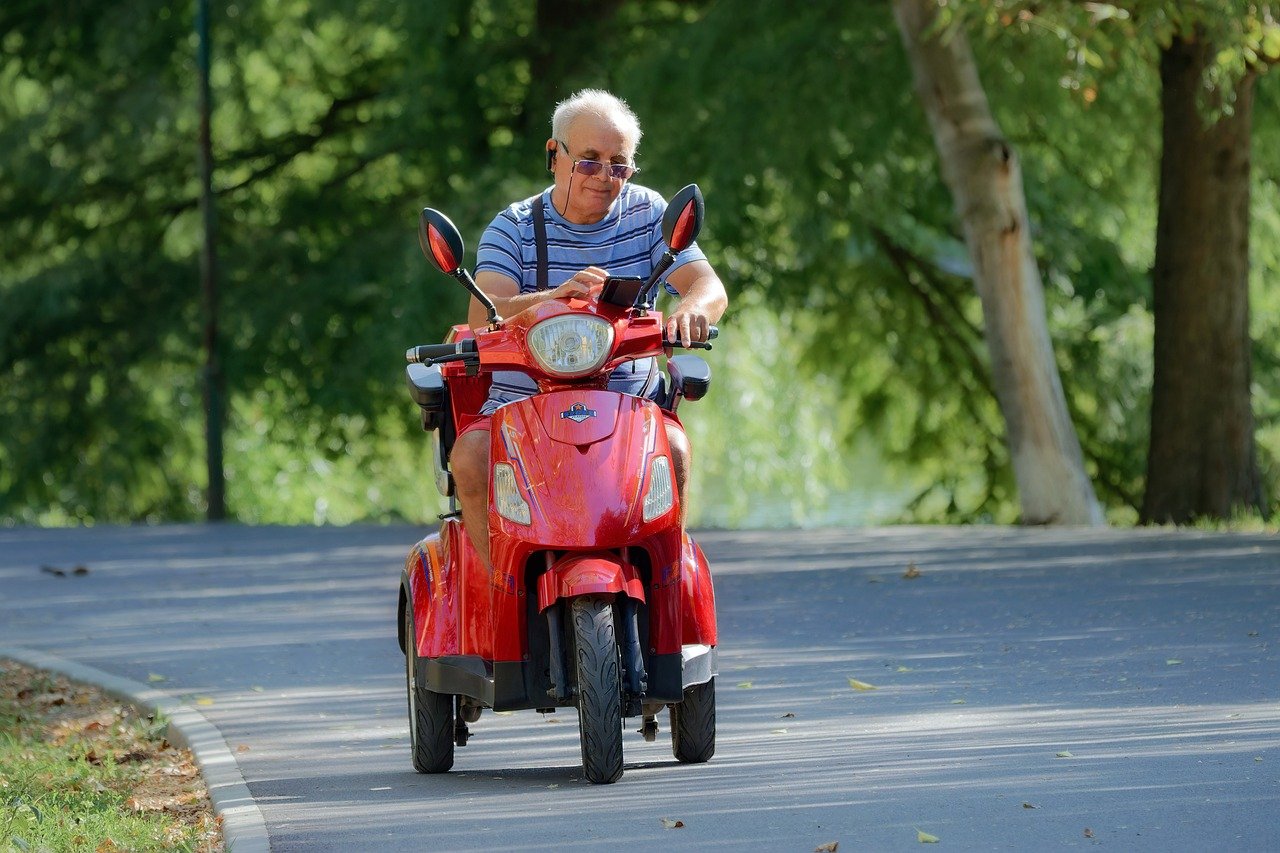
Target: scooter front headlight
x=571 y=344
x=661 y=493
x=506 y=495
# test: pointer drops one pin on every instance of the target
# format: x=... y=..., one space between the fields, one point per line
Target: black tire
x=599 y=690
x=430 y=714
x=693 y=724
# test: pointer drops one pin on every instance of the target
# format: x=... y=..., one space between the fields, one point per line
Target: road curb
x=243 y=828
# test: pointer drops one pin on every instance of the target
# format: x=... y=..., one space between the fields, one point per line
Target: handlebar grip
x=712 y=333
x=425 y=353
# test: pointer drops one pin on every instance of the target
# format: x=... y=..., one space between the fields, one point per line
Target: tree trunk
x=982 y=172
x=1202 y=460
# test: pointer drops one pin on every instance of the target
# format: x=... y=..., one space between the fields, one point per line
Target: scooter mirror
x=683 y=219
x=440 y=241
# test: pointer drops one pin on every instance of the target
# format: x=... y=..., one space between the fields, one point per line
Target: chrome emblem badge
x=578 y=413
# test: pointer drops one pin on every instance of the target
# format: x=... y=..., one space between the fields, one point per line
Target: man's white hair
x=597 y=103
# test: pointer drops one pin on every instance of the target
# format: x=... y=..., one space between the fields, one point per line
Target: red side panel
x=473 y=585
x=665 y=593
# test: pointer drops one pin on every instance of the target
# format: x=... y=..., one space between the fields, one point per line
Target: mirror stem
x=644 y=299
x=464 y=278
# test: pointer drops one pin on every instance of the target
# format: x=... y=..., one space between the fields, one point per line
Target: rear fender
x=428 y=590
x=698 y=595
x=597 y=573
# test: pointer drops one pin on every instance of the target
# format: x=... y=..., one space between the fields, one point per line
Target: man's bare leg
x=469 y=461
x=681 y=455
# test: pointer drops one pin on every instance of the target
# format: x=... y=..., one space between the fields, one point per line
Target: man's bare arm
x=702 y=302
x=509 y=301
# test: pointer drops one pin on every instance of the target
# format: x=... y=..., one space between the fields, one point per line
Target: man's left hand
x=688 y=325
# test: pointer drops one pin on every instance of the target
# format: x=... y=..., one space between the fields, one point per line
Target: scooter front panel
x=579 y=417
x=584 y=493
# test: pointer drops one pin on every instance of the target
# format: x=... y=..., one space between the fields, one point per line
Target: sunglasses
x=591 y=168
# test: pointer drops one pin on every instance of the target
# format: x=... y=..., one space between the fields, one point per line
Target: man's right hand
x=506 y=294
x=584 y=284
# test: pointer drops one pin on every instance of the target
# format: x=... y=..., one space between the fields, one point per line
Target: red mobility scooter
x=597 y=598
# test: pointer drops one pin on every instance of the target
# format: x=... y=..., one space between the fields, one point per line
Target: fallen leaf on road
x=905 y=669
x=861 y=685
x=1064 y=754
x=1088 y=833
x=829 y=847
x=204 y=700
x=154 y=677
x=256 y=688
x=912 y=572
x=958 y=702
x=668 y=823
x=242 y=748
x=744 y=685
x=1173 y=662
x=925 y=838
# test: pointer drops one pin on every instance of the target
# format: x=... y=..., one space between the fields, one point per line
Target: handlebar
x=466 y=349
x=432 y=353
x=712 y=334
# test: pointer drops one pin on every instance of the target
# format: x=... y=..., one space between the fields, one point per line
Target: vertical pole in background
x=213 y=381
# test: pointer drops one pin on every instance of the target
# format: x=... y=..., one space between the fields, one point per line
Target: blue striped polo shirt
x=627 y=241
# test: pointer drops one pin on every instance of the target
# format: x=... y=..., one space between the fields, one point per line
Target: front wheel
x=599 y=689
x=430 y=713
x=693 y=724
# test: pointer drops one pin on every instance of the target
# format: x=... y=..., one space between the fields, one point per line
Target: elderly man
x=590 y=224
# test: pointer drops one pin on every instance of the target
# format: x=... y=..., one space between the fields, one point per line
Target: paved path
x=1151 y=658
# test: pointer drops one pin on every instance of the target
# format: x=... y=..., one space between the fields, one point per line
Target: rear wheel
x=430 y=713
x=599 y=689
x=693 y=724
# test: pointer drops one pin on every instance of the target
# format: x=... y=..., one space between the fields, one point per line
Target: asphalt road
x=1033 y=689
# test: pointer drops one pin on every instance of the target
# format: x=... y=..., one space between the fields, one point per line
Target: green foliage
x=336 y=120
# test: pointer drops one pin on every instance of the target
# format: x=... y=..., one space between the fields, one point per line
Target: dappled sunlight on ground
x=995 y=687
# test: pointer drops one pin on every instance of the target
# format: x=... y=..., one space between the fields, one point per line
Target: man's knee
x=680 y=451
x=677 y=441
x=469 y=461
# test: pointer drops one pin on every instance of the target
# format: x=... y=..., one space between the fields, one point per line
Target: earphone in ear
x=551 y=158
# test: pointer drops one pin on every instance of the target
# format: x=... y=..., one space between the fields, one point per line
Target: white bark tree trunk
x=982 y=172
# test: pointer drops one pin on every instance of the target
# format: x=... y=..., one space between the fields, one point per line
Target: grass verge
x=81 y=771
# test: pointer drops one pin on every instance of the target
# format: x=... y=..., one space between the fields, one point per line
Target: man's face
x=589 y=198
